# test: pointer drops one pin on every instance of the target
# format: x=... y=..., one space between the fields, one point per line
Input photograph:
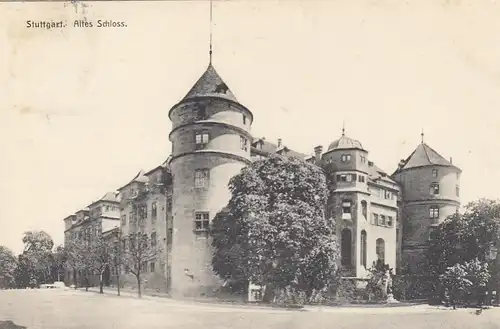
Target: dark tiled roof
x=210 y=84
x=109 y=197
x=261 y=146
x=375 y=173
x=423 y=156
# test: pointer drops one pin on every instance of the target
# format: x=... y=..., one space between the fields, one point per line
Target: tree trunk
x=100 y=282
x=139 y=286
x=118 y=282
x=269 y=294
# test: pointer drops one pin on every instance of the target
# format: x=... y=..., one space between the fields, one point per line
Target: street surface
x=66 y=309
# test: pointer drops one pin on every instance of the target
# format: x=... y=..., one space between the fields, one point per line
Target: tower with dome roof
x=363 y=203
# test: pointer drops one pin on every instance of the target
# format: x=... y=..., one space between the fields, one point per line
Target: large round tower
x=431 y=193
x=210 y=144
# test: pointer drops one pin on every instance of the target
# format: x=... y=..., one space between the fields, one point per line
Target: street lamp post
x=492 y=256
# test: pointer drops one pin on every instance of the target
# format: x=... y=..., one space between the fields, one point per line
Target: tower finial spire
x=343 y=128
x=211 y=23
x=422 y=135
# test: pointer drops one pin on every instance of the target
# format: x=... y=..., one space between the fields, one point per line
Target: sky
x=82 y=110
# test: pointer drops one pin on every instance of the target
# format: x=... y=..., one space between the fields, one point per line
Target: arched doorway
x=346 y=247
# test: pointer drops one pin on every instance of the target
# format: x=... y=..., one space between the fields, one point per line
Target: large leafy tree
x=37 y=255
x=462 y=238
x=8 y=264
x=274 y=232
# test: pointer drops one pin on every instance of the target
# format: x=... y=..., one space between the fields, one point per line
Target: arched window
x=346 y=247
x=364 y=208
x=363 y=248
x=380 y=249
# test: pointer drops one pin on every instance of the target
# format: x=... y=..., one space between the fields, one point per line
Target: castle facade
x=379 y=216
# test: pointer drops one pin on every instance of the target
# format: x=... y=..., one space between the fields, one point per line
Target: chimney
x=317 y=153
x=451 y=160
x=279 y=142
x=401 y=164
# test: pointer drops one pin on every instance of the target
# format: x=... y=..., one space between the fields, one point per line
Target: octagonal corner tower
x=210 y=144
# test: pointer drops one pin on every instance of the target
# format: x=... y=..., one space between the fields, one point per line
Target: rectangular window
x=346 y=207
x=243 y=143
x=154 y=210
x=457 y=190
x=144 y=267
x=201 y=139
x=349 y=178
x=434 y=188
x=341 y=178
x=201 y=178
x=434 y=172
x=345 y=157
x=152 y=267
x=389 y=221
x=382 y=220
x=201 y=221
x=434 y=212
x=361 y=178
x=375 y=219
x=244 y=119
x=124 y=219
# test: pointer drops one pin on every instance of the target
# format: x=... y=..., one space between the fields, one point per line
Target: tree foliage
x=274 y=232
x=8 y=265
x=464 y=237
x=465 y=279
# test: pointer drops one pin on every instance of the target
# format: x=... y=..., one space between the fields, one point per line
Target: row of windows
x=382 y=220
x=350 y=178
x=140 y=212
x=202 y=139
x=434 y=189
x=435 y=173
x=346 y=248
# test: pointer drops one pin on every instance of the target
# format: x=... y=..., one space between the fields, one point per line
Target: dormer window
x=434 y=172
x=345 y=158
x=363 y=159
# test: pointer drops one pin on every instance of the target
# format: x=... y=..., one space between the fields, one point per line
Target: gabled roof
x=109 y=197
x=210 y=84
x=423 y=156
x=140 y=177
x=262 y=146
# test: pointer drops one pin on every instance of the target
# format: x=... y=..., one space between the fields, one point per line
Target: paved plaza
x=65 y=309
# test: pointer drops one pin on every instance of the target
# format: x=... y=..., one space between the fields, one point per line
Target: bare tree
x=101 y=257
x=139 y=250
x=79 y=258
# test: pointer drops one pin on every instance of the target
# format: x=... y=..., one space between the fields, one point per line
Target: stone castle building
x=378 y=216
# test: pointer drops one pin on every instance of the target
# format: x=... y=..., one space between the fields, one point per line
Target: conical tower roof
x=210 y=84
x=424 y=156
